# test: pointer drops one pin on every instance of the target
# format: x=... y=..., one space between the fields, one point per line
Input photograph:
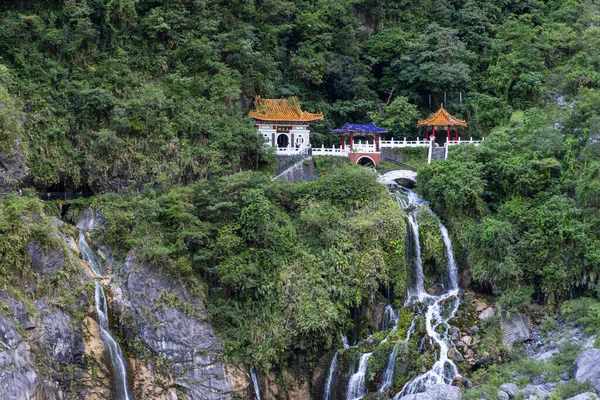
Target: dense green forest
x=110 y=92
x=117 y=95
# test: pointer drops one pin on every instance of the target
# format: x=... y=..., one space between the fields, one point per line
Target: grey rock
x=565 y=376
x=516 y=329
x=586 y=367
x=455 y=332
x=18 y=379
x=510 y=389
x=455 y=355
x=468 y=340
x=12 y=168
x=444 y=392
x=45 y=260
x=187 y=341
x=502 y=395
x=474 y=330
x=536 y=380
x=585 y=396
x=535 y=391
x=417 y=396
x=90 y=219
x=547 y=355
x=487 y=313
x=62 y=341
x=9 y=335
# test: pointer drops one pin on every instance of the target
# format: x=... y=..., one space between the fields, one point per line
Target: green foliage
x=280 y=265
x=585 y=312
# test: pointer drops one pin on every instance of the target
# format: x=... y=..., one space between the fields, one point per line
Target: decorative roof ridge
x=281 y=110
x=442 y=118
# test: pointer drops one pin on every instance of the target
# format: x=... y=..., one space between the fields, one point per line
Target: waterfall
x=436 y=311
x=411 y=203
x=356 y=386
x=451 y=267
x=345 y=341
x=388 y=373
x=255 y=383
x=443 y=370
x=117 y=359
x=390 y=318
x=329 y=382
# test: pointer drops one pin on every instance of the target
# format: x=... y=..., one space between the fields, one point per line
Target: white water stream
x=436 y=310
x=356 y=386
x=329 y=382
x=117 y=359
x=255 y=383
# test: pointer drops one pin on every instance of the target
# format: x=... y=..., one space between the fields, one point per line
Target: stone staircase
x=438 y=153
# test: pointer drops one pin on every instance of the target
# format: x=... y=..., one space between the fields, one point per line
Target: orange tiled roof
x=442 y=118
x=281 y=110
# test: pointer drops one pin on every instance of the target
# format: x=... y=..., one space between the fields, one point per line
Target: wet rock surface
x=187 y=341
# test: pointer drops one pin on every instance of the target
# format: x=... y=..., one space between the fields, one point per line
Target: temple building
x=282 y=123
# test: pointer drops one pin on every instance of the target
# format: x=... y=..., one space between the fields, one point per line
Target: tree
x=437 y=61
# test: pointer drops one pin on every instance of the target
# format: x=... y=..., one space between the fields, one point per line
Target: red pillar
x=456 y=134
x=343 y=141
x=376 y=142
x=426 y=134
x=351 y=141
x=448 y=133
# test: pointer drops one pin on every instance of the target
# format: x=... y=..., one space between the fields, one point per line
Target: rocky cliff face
x=45 y=352
x=163 y=325
x=50 y=345
x=12 y=168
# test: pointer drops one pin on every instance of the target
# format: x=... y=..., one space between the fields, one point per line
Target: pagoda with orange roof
x=283 y=123
x=440 y=120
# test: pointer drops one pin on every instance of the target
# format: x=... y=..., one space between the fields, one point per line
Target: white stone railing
x=470 y=141
x=404 y=143
x=290 y=151
x=330 y=151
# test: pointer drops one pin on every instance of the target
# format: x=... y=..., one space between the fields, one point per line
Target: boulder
x=487 y=313
x=502 y=395
x=516 y=329
x=510 y=389
x=468 y=340
x=455 y=355
x=535 y=391
x=443 y=392
x=417 y=396
x=585 y=396
x=586 y=367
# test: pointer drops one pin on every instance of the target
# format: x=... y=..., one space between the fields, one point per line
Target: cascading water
x=356 y=386
x=390 y=318
x=437 y=312
x=451 y=267
x=255 y=383
x=329 y=382
x=117 y=359
x=345 y=341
